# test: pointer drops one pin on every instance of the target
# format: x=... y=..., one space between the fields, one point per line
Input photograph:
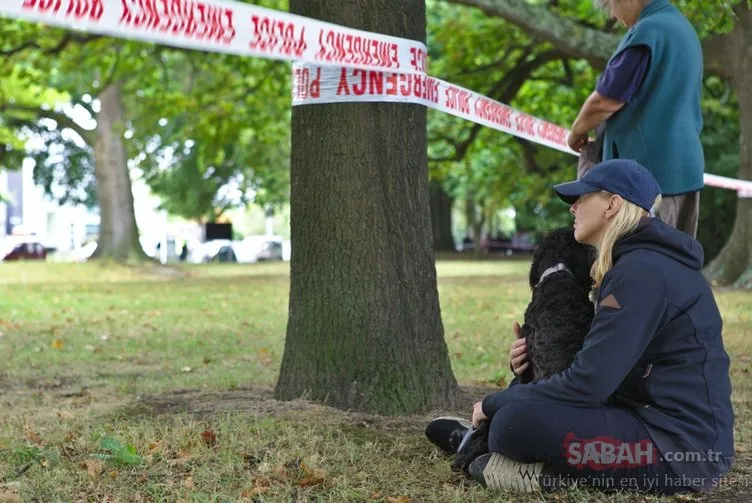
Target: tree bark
x=364 y=330
x=118 y=233
x=441 y=218
x=733 y=265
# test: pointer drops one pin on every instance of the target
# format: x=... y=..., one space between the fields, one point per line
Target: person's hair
x=622 y=224
x=604 y=5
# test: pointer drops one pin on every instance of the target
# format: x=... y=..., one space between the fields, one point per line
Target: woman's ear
x=614 y=205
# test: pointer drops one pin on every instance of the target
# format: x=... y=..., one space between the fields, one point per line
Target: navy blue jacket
x=657 y=350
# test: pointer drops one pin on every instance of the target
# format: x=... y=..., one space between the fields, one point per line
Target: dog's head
x=560 y=246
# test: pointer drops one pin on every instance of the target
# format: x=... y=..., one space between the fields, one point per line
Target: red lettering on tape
x=359 y=88
x=277 y=37
x=188 y=18
x=79 y=9
x=552 y=133
x=418 y=59
x=493 y=112
x=306 y=86
x=376 y=82
x=343 y=86
x=347 y=49
x=525 y=124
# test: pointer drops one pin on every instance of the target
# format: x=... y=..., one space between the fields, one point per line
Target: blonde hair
x=623 y=223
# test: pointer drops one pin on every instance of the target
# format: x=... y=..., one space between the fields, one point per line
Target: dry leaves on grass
x=93 y=467
x=209 y=437
x=398 y=499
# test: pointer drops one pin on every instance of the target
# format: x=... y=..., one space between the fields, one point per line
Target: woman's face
x=626 y=11
x=592 y=212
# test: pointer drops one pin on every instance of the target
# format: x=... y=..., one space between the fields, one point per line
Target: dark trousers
x=604 y=448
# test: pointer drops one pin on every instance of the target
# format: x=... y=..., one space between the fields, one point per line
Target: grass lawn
x=126 y=385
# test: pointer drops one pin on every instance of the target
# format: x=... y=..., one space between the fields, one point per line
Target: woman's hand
x=518 y=352
x=478 y=414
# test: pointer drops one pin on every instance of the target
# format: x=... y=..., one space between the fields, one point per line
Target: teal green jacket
x=660 y=128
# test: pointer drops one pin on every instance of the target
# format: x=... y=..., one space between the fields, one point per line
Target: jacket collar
x=652 y=7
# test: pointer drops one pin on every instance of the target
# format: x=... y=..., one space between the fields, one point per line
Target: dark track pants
x=604 y=448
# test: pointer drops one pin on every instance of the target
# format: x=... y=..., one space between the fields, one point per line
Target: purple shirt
x=623 y=76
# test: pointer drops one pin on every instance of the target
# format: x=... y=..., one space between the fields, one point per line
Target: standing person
x=648 y=101
x=646 y=403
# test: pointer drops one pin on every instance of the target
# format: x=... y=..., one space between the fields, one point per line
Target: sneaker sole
x=464 y=422
x=503 y=473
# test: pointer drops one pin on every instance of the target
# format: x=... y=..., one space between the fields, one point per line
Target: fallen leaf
x=398 y=499
x=57 y=344
x=315 y=478
x=209 y=437
x=184 y=453
x=33 y=437
x=501 y=382
x=113 y=474
x=142 y=478
x=741 y=448
x=189 y=484
x=153 y=446
x=94 y=467
x=375 y=495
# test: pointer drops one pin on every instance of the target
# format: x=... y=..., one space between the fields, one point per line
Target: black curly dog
x=557 y=319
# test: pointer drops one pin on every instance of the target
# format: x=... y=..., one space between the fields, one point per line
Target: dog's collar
x=554 y=268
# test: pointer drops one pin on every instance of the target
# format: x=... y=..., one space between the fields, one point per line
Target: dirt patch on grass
x=260 y=402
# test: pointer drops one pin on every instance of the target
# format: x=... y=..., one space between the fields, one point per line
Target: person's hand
x=518 y=352
x=577 y=141
x=478 y=415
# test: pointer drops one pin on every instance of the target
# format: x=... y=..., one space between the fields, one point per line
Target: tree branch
x=63 y=121
x=575 y=40
x=510 y=84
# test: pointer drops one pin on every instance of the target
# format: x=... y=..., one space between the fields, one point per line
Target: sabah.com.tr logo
x=608 y=453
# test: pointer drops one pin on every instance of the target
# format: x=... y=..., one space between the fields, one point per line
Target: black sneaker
x=447 y=432
x=498 y=472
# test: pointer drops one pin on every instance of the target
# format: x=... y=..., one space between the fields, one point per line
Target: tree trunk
x=364 y=330
x=441 y=218
x=118 y=234
x=475 y=224
x=733 y=265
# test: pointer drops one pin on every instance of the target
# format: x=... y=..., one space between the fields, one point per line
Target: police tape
x=314 y=84
x=228 y=27
x=358 y=66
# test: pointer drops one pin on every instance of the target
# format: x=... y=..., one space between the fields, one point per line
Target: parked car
x=22 y=249
x=270 y=250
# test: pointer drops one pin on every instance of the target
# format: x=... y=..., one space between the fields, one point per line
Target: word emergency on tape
x=333 y=64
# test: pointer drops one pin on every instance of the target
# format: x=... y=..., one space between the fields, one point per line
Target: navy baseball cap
x=623 y=177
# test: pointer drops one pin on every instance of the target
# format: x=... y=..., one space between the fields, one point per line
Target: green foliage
x=497 y=59
x=119 y=453
x=720 y=139
x=227 y=117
